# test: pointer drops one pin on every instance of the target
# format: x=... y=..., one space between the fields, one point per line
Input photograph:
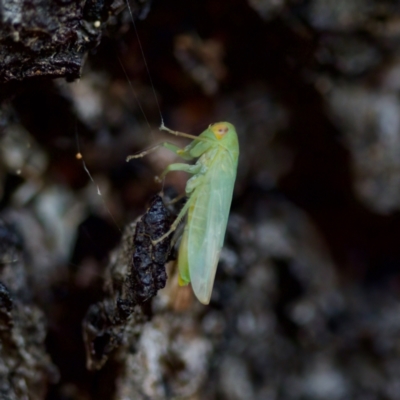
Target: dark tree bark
x=305 y=302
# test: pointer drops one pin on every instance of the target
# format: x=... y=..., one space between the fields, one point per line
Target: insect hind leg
x=175 y=200
x=177 y=221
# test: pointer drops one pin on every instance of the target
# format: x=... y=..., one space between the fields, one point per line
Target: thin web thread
x=91 y=178
x=134 y=93
x=145 y=62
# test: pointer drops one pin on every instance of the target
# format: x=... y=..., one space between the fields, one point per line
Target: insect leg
x=191 y=169
x=170 y=146
x=178 y=219
x=176 y=199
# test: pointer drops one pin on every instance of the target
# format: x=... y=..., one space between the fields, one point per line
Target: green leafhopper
x=209 y=192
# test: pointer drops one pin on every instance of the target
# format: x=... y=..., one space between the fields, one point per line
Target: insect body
x=209 y=193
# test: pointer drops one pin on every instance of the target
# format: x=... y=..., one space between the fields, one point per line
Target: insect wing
x=207 y=226
x=184 y=275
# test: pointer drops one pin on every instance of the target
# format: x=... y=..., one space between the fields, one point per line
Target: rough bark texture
x=48 y=39
x=306 y=298
x=136 y=274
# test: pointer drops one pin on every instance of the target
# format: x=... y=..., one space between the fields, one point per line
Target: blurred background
x=306 y=303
